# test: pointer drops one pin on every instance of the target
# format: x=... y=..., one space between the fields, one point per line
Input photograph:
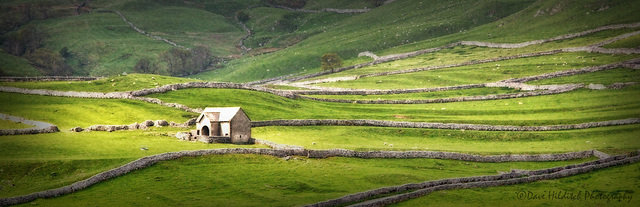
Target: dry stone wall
x=49 y=78
x=475 y=127
x=514 y=177
x=38 y=126
x=456 y=99
x=135 y=126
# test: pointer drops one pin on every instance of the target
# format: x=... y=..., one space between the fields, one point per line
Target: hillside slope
x=404 y=26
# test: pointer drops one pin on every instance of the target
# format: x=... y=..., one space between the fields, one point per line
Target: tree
x=201 y=58
x=177 y=60
x=330 y=61
x=144 y=65
x=185 y=62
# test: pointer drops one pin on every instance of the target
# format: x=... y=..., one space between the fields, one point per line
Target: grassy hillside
x=393 y=24
x=481 y=73
x=16 y=66
x=430 y=25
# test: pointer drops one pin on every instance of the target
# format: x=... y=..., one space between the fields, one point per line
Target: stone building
x=230 y=124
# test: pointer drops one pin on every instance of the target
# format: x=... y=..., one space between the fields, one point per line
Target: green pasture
x=7 y=124
x=482 y=73
x=630 y=42
x=428 y=25
x=614 y=140
x=255 y=180
x=574 y=107
x=607 y=77
x=618 y=185
x=425 y=95
x=460 y=54
x=101 y=44
x=45 y=161
x=71 y=112
x=400 y=22
x=118 y=83
x=190 y=27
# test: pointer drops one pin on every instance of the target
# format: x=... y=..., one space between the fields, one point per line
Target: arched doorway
x=204 y=131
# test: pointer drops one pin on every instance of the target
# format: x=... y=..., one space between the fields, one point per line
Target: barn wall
x=240 y=128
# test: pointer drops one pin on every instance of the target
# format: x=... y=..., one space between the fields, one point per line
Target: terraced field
x=448 y=111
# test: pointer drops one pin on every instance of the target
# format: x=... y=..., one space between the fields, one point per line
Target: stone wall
x=277 y=146
x=447 y=155
x=476 y=127
x=383 y=92
x=514 y=177
x=74 y=94
x=49 y=78
x=135 y=126
x=38 y=126
x=455 y=99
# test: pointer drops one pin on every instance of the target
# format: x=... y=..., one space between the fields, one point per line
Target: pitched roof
x=222 y=114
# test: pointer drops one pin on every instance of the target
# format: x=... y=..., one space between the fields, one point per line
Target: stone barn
x=224 y=123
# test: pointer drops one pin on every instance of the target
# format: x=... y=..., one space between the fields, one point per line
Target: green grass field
x=218 y=179
x=101 y=44
x=613 y=140
x=578 y=106
x=481 y=73
x=616 y=181
x=117 y=83
x=72 y=112
x=607 y=77
x=45 y=161
x=6 y=124
x=425 y=95
x=464 y=53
